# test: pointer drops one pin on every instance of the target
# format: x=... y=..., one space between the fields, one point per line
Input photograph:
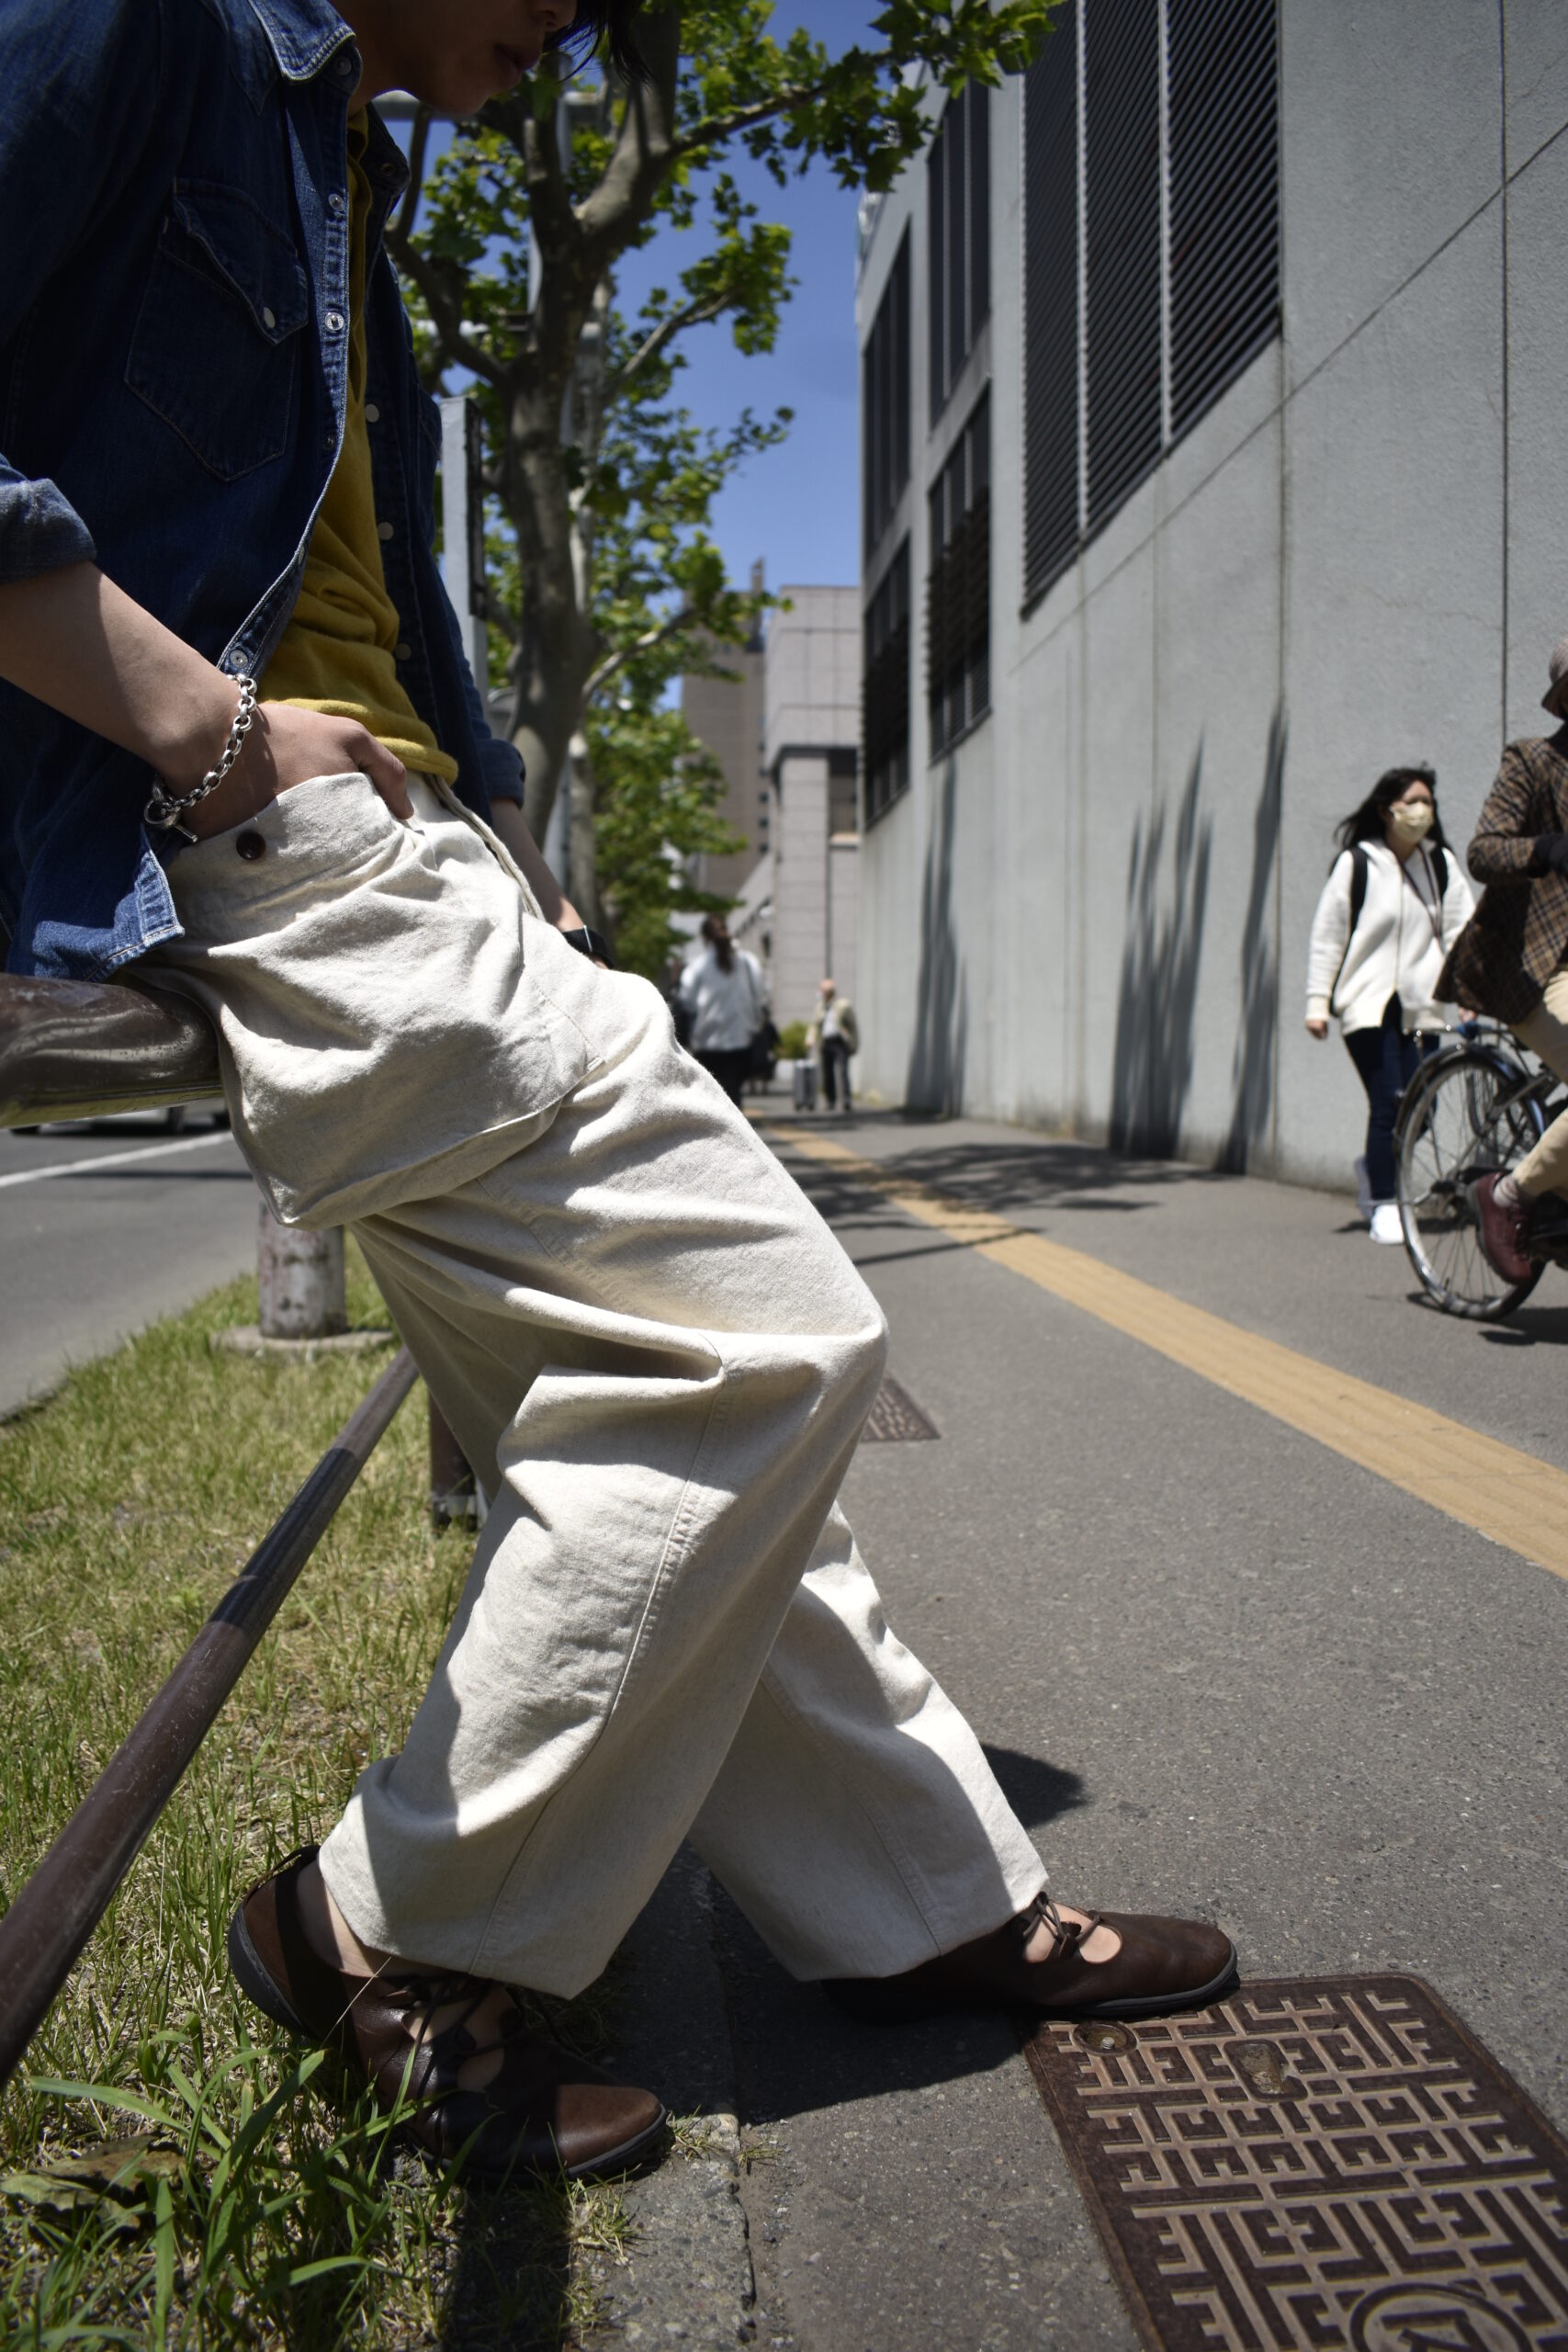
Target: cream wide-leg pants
x=658 y=1359
x=1545 y=1031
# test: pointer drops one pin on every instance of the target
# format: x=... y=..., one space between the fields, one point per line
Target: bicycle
x=1474 y=1107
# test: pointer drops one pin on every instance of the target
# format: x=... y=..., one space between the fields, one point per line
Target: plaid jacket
x=1518 y=936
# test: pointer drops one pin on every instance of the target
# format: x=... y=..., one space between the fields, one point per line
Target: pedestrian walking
x=1393 y=904
x=726 y=1006
x=834 y=1036
x=670 y=990
x=241 y=745
x=1511 y=961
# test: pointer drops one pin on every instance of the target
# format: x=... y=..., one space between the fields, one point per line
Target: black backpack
x=1358 y=861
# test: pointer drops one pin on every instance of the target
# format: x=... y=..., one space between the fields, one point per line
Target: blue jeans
x=1385 y=1062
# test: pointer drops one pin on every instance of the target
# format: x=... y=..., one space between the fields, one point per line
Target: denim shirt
x=174 y=367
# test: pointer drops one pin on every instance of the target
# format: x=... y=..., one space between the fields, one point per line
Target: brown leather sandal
x=543 y=2110
x=1163 y=1965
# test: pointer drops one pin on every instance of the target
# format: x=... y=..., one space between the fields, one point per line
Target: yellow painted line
x=1505 y=1493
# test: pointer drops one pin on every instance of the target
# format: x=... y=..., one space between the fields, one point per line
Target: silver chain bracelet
x=165 y=807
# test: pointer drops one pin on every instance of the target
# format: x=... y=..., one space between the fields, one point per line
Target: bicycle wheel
x=1456 y=1125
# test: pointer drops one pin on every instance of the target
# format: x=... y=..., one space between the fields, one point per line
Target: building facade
x=1210 y=379
x=726 y=714
x=797 y=907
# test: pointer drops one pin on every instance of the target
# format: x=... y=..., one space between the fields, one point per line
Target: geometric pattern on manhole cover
x=894 y=1417
x=1316 y=2164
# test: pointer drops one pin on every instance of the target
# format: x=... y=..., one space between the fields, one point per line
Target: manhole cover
x=1317 y=2164
x=893 y=1415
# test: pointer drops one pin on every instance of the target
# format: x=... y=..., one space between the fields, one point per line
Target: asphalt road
x=88 y=1257
x=1223 y=1670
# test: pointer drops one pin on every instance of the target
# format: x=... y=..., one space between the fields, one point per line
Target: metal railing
x=67 y=1050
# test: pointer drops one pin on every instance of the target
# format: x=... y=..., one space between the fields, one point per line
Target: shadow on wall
x=1252 y=1067
x=935 y=1081
x=1152 y=1072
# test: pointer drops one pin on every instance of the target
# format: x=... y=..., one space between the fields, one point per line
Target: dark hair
x=715 y=931
x=1367 y=823
x=603 y=24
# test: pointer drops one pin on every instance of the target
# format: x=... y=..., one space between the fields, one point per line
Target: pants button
x=250 y=846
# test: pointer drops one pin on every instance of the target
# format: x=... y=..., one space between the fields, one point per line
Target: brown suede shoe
x=1505 y=1230
x=1163 y=1965
x=543 y=2110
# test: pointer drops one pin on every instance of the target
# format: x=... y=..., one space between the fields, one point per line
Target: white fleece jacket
x=1400 y=940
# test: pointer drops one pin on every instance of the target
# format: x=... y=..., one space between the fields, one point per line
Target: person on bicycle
x=1394 y=903
x=1511 y=959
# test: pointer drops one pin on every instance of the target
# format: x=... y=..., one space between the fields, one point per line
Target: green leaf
x=163 y=2266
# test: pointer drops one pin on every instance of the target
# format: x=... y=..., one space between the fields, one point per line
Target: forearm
x=507 y=819
x=75 y=640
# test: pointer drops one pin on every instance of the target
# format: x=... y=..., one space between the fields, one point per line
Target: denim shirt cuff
x=503 y=769
x=39 y=529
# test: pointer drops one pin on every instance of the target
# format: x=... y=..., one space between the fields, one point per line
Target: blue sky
x=796 y=506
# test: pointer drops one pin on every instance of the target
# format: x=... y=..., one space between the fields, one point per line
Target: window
x=843 y=792
x=885 y=402
x=1151 y=245
x=959 y=174
x=958 y=591
x=886 y=715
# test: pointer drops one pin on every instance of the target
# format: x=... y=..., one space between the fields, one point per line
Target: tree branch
x=715 y=128
x=696 y=314
x=625 y=198
x=408 y=209
x=445 y=314
x=613 y=663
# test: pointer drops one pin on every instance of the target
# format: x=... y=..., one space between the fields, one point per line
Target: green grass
x=257 y=2200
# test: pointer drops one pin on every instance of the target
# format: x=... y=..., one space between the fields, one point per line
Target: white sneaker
x=1386 y=1225
x=1363 y=1189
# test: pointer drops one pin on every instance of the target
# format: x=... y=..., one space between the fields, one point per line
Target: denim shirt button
x=405 y=652
x=334 y=322
x=383 y=531
x=372 y=413
x=334 y=201
x=269 y=317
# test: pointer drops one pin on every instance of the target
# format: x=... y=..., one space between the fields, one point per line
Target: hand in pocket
x=288 y=746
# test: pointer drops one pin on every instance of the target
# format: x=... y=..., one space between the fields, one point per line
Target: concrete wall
x=812 y=709
x=1095 y=911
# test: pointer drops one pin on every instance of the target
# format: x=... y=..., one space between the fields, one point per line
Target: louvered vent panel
x=884 y=402
x=1121 y=146
x=886 y=687
x=1051 y=310
x=1224 y=194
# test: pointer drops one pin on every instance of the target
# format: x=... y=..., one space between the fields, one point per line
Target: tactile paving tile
x=894 y=1417
x=1316 y=2164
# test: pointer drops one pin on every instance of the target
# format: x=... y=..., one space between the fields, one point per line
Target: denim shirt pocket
x=218 y=348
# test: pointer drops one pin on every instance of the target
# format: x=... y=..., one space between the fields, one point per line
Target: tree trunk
x=584 y=868
x=301 y=1278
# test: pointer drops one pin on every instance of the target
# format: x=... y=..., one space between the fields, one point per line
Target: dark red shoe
x=407 y=2032
x=1505 y=1227
x=1163 y=1965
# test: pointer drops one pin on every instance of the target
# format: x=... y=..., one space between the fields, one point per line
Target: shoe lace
x=1066 y=1934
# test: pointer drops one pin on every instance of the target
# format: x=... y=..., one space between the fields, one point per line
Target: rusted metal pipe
x=43 y=1932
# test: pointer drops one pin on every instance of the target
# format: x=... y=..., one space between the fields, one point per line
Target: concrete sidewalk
x=1221 y=1669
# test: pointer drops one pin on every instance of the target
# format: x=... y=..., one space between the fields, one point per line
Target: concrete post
x=301 y=1278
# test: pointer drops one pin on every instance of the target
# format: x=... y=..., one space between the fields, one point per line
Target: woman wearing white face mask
x=1393 y=904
